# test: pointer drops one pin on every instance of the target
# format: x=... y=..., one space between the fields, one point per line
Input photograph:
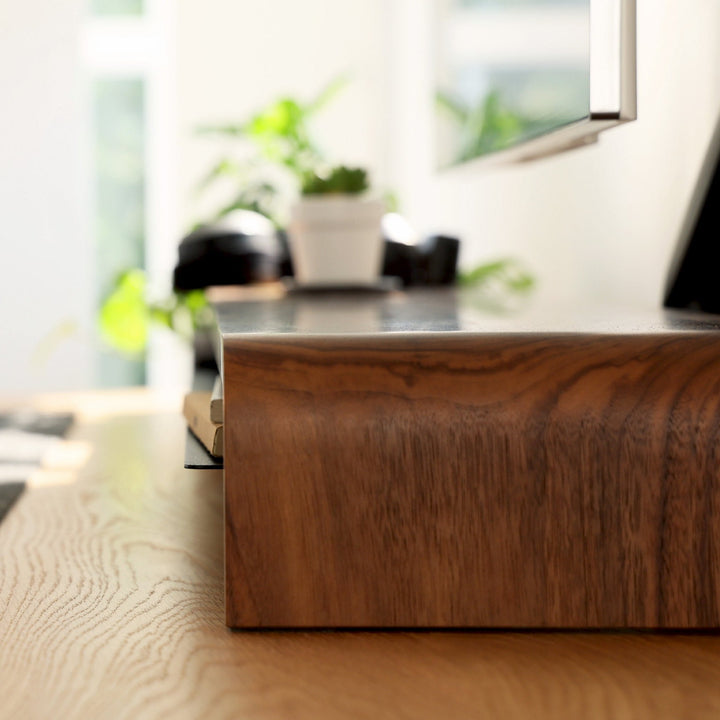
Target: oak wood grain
x=111 y=607
x=473 y=480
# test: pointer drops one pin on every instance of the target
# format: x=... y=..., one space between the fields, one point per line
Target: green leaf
x=124 y=316
x=229 y=130
x=392 y=202
x=279 y=120
x=488 y=126
x=260 y=197
x=453 y=106
x=507 y=273
x=223 y=168
x=327 y=94
x=498 y=287
x=280 y=133
x=195 y=300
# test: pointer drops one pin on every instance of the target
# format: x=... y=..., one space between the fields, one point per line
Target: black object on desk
x=197 y=457
x=223 y=255
x=693 y=278
x=432 y=262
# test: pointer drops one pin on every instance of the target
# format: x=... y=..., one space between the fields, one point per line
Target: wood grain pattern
x=454 y=480
x=111 y=607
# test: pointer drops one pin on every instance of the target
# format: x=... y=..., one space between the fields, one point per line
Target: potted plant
x=335 y=230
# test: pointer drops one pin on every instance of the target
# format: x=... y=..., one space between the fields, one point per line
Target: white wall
x=604 y=220
x=45 y=259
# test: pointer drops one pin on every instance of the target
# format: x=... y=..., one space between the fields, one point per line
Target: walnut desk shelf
x=407 y=460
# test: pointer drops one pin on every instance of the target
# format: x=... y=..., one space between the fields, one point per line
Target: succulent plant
x=340 y=180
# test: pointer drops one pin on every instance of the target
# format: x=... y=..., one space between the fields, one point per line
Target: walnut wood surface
x=111 y=607
x=511 y=480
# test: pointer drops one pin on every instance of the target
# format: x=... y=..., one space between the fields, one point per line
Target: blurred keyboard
x=9 y=493
x=26 y=437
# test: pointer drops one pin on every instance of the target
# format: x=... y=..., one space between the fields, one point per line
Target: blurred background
x=100 y=102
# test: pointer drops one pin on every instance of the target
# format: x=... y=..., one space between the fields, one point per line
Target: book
x=216 y=401
x=196 y=409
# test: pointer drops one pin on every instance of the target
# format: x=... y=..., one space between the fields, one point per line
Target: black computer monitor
x=694 y=280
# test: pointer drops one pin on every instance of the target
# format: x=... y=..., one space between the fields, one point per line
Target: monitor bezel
x=613 y=89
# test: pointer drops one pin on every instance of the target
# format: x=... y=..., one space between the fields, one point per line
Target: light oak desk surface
x=111 y=606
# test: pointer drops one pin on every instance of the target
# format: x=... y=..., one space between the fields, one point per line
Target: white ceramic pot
x=336 y=240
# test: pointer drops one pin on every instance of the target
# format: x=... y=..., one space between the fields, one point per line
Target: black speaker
x=221 y=255
x=431 y=262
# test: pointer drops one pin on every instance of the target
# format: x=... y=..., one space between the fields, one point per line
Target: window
x=128 y=57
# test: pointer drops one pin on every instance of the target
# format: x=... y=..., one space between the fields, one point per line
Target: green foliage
x=392 y=203
x=498 y=287
x=259 y=196
x=124 y=318
x=276 y=151
x=493 y=124
x=127 y=313
x=282 y=135
x=340 y=180
x=281 y=131
x=508 y=273
x=487 y=127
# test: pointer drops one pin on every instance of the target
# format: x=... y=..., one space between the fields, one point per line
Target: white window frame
x=144 y=46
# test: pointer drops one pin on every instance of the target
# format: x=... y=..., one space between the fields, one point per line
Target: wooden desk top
x=111 y=606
